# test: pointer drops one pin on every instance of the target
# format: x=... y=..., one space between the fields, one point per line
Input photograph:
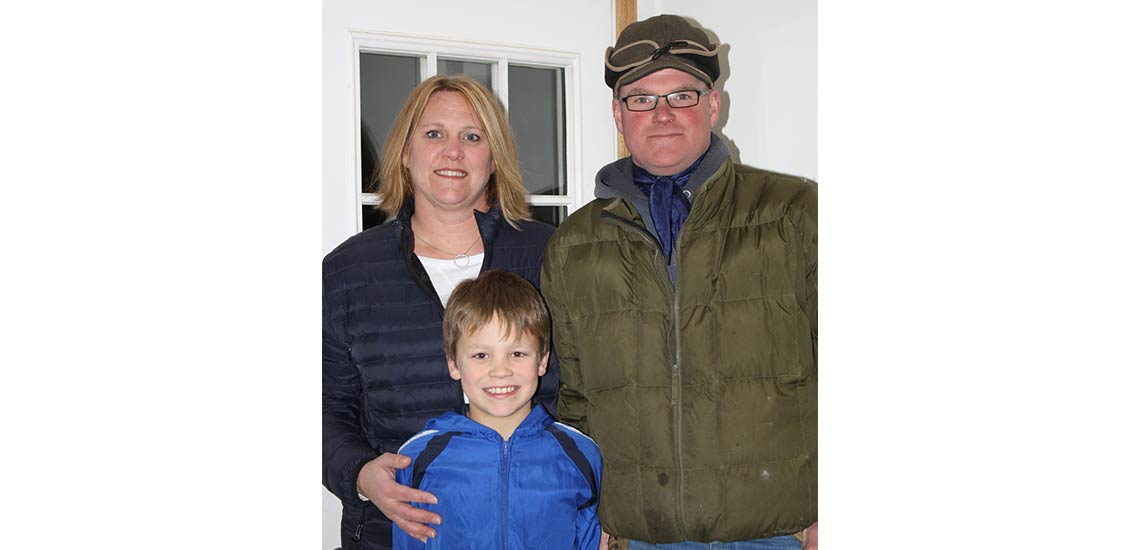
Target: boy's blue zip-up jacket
x=539 y=489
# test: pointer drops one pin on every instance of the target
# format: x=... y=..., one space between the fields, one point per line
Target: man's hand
x=605 y=545
x=811 y=537
x=377 y=481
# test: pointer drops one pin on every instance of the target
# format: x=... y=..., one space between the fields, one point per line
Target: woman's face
x=449 y=157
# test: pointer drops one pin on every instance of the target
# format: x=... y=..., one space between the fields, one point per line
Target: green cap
x=661 y=42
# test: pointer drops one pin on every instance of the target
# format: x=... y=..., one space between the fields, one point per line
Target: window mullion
x=502 y=81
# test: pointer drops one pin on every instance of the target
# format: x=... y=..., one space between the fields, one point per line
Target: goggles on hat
x=643 y=51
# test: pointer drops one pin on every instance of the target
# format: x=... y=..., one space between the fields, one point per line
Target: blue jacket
x=537 y=490
x=384 y=369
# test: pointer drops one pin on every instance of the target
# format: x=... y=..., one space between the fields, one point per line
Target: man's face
x=665 y=141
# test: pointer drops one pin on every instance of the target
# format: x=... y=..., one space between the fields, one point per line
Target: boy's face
x=498 y=375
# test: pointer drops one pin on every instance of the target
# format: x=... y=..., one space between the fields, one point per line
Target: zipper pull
x=359 y=526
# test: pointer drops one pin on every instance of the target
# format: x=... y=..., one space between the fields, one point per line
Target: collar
x=534 y=423
x=641 y=175
x=616 y=180
x=489 y=222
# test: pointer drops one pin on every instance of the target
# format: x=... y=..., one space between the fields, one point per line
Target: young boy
x=506 y=475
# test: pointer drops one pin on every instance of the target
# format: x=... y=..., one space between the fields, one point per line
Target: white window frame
x=430 y=49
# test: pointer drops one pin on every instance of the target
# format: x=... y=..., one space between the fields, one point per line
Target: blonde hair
x=504 y=188
x=495 y=293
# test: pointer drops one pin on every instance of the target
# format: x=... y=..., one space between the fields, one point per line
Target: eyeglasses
x=678 y=100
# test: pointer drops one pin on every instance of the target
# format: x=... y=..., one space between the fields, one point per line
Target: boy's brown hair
x=495 y=293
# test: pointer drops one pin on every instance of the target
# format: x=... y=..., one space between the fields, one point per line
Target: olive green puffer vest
x=702 y=398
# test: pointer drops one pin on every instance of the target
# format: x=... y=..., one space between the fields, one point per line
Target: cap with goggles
x=661 y=42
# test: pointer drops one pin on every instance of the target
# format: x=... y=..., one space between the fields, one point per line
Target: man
x=684 y=308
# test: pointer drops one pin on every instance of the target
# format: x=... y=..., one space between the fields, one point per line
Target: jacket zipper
x=422 y=280
x=677 y=416
x=648 y=237
x=506 y=471
x=359 y=528
x=675 y=375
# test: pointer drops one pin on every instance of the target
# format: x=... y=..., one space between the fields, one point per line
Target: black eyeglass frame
x=668 y=96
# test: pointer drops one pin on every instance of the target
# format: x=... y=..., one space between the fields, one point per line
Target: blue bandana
x=668 y=206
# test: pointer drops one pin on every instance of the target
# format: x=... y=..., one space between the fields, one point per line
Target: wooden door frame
x=625 y=12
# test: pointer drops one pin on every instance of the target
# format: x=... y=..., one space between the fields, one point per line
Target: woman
x=449 y=176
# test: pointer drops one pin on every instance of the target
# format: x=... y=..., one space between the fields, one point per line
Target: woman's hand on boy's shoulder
x=377 y=482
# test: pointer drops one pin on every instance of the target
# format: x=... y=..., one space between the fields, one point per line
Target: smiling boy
x=506 y=475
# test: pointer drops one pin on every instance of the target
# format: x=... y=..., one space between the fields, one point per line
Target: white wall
x=769 y=80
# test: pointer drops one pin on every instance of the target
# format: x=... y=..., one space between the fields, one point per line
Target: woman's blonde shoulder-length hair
x=505 y=187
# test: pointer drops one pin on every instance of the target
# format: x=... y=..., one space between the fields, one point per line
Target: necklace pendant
x=462 y=260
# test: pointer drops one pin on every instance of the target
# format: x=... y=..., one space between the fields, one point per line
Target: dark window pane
x=370 y=216
x=552 y=215
x=385 y=81
x=537 y=119
x=475 y=69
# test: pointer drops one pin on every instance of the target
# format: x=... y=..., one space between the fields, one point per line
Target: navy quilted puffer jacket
x=385 y=373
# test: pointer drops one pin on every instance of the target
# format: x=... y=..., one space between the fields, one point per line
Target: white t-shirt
x=446 y=275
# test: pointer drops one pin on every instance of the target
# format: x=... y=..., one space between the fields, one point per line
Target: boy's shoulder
x=569 y=435
x=446 y=424
x=417 y=442
x=574 y=433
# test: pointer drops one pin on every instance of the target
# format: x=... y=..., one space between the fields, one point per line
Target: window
x=535 y=86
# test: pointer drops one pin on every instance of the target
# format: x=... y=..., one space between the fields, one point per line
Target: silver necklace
x=461 y=259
